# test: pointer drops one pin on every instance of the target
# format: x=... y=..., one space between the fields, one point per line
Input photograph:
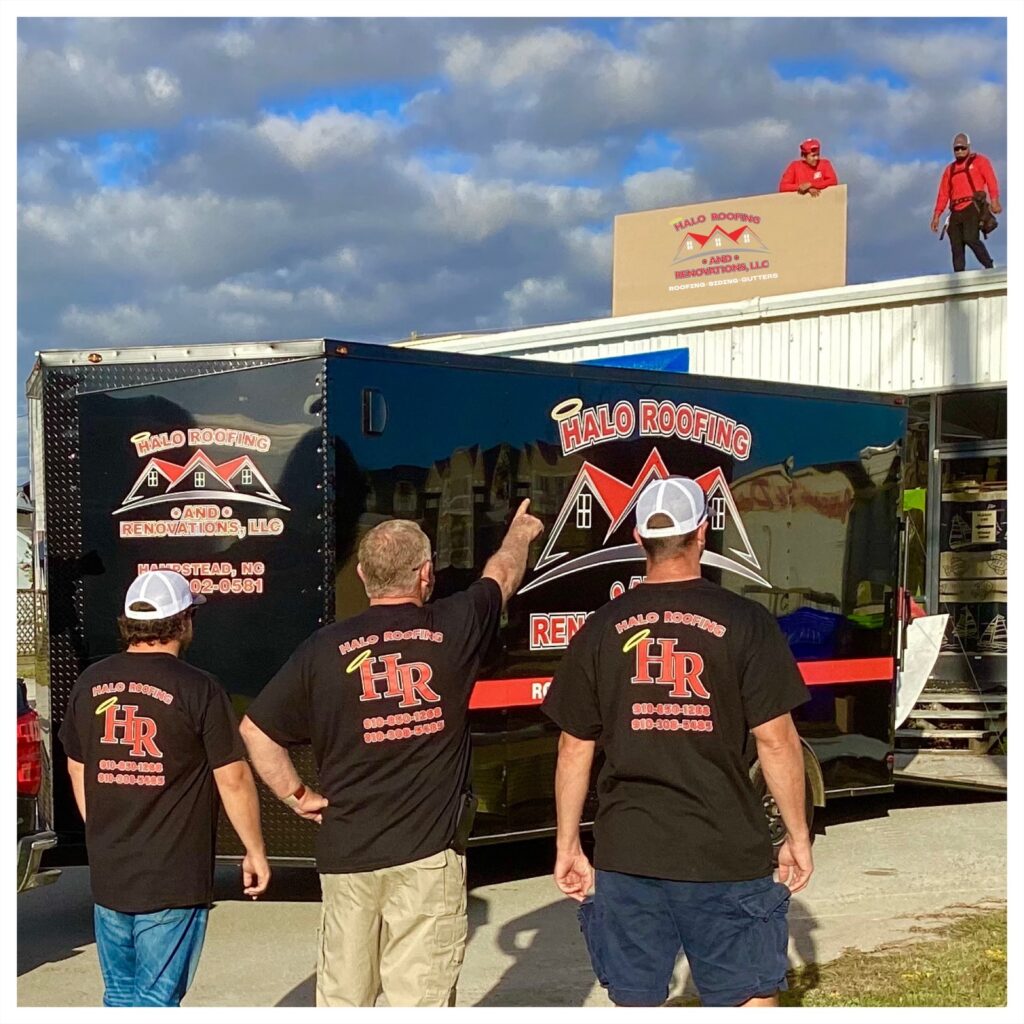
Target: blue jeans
x=149 y=959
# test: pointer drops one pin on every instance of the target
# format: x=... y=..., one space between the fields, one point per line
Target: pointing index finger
x=523 y=508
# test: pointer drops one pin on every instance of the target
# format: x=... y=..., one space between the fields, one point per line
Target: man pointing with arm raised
x=384 y=698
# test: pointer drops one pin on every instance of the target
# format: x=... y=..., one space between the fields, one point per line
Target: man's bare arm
x=242 y=805
x=76 y=769
x=782 y=762
x=507 y=565
x=573 y=873
x=274 y=766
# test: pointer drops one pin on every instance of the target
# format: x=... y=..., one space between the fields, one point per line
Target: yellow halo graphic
x=108 y=703
x=642 y=634
x=358 y=660
x=142 y=435
x=565 y=409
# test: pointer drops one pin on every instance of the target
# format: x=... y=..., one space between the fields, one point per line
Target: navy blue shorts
x=734 y=935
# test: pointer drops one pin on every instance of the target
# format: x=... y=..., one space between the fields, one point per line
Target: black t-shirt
x=150 y=729
x=383 y=697
x=670 y=678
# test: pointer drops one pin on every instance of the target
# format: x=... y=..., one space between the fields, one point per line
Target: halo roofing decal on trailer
x=615 y=499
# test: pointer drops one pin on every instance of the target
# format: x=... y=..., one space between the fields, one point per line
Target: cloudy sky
x=185 y=180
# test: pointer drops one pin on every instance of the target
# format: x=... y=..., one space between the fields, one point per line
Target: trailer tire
x=776 y=829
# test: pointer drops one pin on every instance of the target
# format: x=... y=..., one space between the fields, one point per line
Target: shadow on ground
x=841 y=810
x=54 y=922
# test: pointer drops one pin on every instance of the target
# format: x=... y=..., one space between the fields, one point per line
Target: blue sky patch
x=120 y=159
x=604 y=28
x=654 y=150
x=380 y=98
x=835 y=69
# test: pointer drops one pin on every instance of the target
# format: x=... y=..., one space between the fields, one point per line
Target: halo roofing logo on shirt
x=598 y=497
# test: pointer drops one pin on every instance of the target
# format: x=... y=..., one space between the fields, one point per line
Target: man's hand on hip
x=310 y=805
x=255 y=873
x=574 y=874
x=796 y=863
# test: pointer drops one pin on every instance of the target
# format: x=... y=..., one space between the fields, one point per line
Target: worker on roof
x=969 y=188
x=810 y=174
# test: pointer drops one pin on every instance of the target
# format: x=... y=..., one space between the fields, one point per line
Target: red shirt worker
x=810 y=174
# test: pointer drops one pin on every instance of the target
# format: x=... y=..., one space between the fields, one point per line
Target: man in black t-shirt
x=151 y=742
x=384 y=698
x=670 y=678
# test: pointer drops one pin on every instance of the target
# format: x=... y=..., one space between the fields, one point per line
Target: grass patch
x=962 y=963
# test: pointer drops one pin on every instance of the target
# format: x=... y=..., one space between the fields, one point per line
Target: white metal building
x=918 y=334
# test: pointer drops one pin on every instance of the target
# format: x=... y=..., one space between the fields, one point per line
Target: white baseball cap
x=679 y=498
x=166 y=593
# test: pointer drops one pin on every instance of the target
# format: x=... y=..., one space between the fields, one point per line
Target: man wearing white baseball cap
x=151 y=743
x=671 y=678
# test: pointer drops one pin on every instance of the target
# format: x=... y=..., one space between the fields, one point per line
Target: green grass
x=962 y=963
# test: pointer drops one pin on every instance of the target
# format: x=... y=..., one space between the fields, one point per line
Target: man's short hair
x=391 y=555
x=660 y=549
x=154 y=631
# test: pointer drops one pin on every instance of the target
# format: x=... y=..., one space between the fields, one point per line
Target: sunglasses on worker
x=959 y=149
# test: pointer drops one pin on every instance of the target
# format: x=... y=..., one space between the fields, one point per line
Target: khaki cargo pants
x=399 y=930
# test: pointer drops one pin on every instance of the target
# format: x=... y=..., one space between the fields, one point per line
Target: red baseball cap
x=808 y=144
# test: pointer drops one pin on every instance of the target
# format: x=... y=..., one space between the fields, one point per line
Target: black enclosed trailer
x=254 y=469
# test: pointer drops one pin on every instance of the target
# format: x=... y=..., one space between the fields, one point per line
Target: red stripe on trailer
x=847 y=670
x=508 y=693
x=512 y=693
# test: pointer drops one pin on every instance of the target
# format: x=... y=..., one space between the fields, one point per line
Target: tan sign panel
x=733 y=249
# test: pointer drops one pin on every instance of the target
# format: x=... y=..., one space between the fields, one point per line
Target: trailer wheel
x=776 y=829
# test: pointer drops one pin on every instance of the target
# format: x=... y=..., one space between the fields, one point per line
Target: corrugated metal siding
x=917 y=347
x=949 y=330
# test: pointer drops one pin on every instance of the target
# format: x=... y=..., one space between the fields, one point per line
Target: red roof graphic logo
x=200 y=479
x=617 y=499
x=719 y=240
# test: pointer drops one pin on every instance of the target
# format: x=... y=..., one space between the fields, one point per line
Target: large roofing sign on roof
x=727 y=250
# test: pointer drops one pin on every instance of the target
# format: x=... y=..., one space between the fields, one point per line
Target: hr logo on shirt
x=409 y=681
x=679 y=669
x=137 y=731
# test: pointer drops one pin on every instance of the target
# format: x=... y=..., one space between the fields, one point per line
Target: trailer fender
x=812 y=767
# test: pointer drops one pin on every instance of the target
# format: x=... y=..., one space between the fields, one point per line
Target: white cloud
x=517 y=157
x=149 y=236
x=330 y=134
x=162 y=86
x=236 y=44
x=524 y=60
x=934 y=56
x=73 y=92
x=122 y=325
x=664 y=186
x=533 y=296
x=464 y=208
